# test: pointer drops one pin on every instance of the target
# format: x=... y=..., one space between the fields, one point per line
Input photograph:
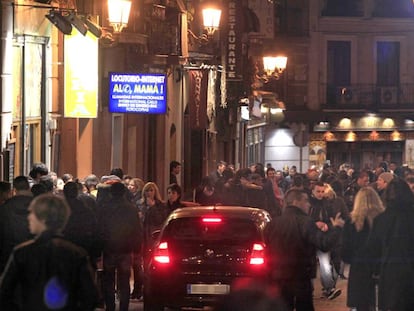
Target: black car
x=202 y=253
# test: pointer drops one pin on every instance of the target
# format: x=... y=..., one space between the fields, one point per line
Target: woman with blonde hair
x=135 y=186
x=361 y=287
x=152 y=211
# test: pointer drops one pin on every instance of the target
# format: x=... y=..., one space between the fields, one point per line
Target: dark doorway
x=193 y=159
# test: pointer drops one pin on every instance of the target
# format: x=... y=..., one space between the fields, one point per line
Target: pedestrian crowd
x=323 y=220
x=67 y=244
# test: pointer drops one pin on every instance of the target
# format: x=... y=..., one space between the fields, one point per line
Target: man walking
x=321 y=211
x=121 y=233
x=292 y=241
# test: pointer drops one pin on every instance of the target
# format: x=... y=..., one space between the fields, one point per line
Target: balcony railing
x=369 y=97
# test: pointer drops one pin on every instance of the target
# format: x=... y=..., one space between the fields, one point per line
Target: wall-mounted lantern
x=211 y=23
x=211 y=20
x=274 y=65
x=269 y=68
x=118 y=14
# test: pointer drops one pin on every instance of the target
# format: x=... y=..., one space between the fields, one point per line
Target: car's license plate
x=206 y=289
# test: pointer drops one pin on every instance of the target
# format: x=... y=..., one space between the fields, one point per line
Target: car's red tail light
x=161 y=254
x=257 y=257
x=212 y=220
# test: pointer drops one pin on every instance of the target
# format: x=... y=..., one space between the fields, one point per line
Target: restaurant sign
x=233 y=41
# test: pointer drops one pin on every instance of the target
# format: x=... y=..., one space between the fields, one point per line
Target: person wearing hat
x=382 y=182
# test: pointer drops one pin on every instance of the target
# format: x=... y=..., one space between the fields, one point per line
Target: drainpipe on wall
x=6 y=67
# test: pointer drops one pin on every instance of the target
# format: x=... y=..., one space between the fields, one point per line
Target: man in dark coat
x=52 y=273
x=121 y=233
x=321 y=211
x=360 y=179
x=14 y=227
x=219 y=179
x=82 y=226
x=292 y=241
x=175 y=169
x=257 y=196
x=205 y=193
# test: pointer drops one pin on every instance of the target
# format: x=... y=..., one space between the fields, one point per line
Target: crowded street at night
x=207 y=155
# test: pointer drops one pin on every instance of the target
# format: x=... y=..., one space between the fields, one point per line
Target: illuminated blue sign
x=137 y=93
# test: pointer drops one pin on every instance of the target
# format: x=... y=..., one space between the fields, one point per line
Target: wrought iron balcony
x=369 y=97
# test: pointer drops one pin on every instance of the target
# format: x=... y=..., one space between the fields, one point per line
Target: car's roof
x=255 y=214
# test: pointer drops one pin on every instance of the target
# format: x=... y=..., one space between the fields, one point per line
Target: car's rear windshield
x=217 y=229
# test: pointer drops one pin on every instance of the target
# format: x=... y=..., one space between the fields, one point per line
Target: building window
x=343 y=8
x=291 y=18
x=388 y=63
x=393 y=8
x=338 y=71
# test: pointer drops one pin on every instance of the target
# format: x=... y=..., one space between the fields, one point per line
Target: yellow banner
x=81 y=75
